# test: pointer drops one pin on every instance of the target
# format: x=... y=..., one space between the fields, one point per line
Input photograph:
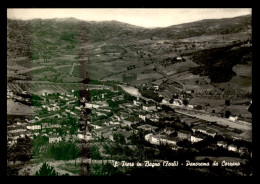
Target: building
x=129 y=121
x=243 y=150
x=169 y=130
x=222 y=144
x=91 y=106
x=156 y=87
x=197 y=138
x=183 y=134
x=54 y=139
x=147 y=127
x=179 y=59
x=154 y=118
x=33 y=127
x=203 y=129
x=142 y=116
x=232 y=147
x=160 y=139
x=233 y=118
x=85 y=137
x=96 y=126
x=137 y=103
x=125 y=134
x=177 y=102
x=149 y=107
x=190 y=106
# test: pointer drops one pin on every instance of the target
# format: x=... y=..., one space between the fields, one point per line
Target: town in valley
x=84 y=96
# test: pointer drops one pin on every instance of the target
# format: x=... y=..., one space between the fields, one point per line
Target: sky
x=144 y=17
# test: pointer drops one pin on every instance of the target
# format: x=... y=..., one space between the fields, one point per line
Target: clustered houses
x=55 y=109
x=204 y=129
x=197 y=138
x=133 y=117
x=233 y=147
x=160 y=139
x=183 y=134
x=149 y=107
x=147 y=127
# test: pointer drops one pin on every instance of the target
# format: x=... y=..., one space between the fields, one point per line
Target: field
x=243 y=70
x=64 y=68
x=150 y=76
x=16 y=108
x=178 y=67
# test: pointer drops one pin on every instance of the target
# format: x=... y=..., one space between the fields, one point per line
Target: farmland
x=85 y=81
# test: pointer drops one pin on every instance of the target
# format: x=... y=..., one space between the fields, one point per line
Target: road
x=170 y=79
x=72 y=68
x=31 y=69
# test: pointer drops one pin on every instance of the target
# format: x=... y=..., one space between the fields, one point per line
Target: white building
x=136 y=102
x=160 y=139
x=33 y=127
x=54 y=139
x=232 y=147
x=91 y=106
x=233 y=118
x=196 y=138
x=222 y=144
x=141 y=116
x=149 y=107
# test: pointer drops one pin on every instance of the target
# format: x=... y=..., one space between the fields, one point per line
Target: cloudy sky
x=145 y=17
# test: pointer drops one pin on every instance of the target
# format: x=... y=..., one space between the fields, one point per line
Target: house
x=197 y=138
x=190 y=106
x=147 y=127
x=232 y=147
x=137 y=103
x=179 y=59
x=33 y=127
x=91 y=106
x=103 y=130
x=54 y=139
x=149 y=107
x=222 y=144
x=164 y=101
x=204 y=129
x=243 y=150
x=129 y=121
x=142 y=116
x=233 y=118
x=77 y=107
x=154 y=118
x=169 y=130
x=96 y=126
x=22 y=124
x=188 y=91
x=160 y=139
x=177 y=102
x=156 y=87
x=85 y=137
x=183 y=134
x=125 y=134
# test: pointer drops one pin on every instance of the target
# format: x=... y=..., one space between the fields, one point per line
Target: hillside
x=112 y=50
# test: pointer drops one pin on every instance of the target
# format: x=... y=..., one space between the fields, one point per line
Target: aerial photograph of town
x=129 y=92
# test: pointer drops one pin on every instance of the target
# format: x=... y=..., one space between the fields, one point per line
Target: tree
x=227 y=102
x=175 y=96
x=227 y=114
x=185 y=102
x=119 y=138
x=47 y=170
x=184 y=143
